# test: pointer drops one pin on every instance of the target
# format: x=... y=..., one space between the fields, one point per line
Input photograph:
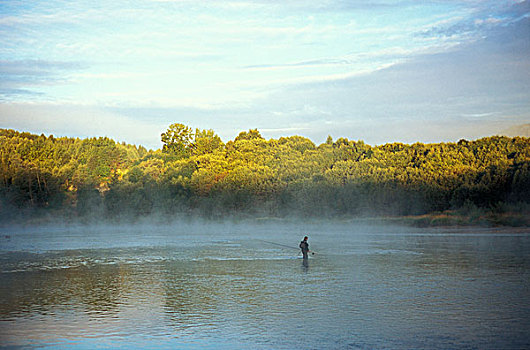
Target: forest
x=196 y=174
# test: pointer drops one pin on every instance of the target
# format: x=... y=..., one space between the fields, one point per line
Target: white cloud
x=260 y=63
x=479 y=115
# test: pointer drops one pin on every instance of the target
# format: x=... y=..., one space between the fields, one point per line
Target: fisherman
x=305 y=247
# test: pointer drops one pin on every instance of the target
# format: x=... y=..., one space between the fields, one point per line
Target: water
x=222 y=287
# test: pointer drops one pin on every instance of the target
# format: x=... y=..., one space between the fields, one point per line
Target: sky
x=374 y=70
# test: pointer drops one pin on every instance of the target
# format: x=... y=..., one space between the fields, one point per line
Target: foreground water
x=234 y=287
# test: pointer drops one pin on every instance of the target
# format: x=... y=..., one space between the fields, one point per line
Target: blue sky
x=380 y=71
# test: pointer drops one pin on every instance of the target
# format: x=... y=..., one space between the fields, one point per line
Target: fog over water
x=245 y=285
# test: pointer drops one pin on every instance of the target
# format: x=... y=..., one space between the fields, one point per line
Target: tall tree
x=248 y=135
x=178 y=140
x=206 y=141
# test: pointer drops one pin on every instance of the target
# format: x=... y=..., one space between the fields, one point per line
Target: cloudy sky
x=376 y=70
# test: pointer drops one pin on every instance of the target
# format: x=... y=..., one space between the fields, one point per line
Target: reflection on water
x=221 y=287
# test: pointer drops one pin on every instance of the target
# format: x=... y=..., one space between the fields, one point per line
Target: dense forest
x=197 y=174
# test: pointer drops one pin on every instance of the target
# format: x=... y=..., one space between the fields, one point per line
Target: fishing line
x=284 y=245
x=278 y=244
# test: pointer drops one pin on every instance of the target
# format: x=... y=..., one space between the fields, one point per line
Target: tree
x=196 y=171
x=250 y=135
x=178 y=139
x=206 y=141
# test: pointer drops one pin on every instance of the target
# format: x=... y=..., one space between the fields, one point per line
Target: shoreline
x=436 y=220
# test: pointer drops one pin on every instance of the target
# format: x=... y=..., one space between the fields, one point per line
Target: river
x=245 y=286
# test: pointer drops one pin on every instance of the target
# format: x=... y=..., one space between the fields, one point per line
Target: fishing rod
x=278 y=244
x=283 y=245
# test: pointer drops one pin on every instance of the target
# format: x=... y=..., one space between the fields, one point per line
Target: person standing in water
x=305 y=247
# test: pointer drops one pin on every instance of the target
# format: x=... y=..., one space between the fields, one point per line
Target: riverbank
x=453 y=218
x=480 y=218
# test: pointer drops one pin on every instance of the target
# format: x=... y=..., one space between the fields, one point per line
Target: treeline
x=195 y=173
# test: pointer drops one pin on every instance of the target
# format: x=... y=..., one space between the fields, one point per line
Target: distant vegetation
x=196 y=174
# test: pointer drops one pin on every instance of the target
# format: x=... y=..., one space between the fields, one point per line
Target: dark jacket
x=304 y=246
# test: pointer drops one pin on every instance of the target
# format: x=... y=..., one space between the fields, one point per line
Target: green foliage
x=206 y=141
x=58 y=173
x=195 y=172
x=248 y=135
x=180 y=140
x=177 y=139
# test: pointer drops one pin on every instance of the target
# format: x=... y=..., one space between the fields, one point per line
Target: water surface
x=229 y=287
